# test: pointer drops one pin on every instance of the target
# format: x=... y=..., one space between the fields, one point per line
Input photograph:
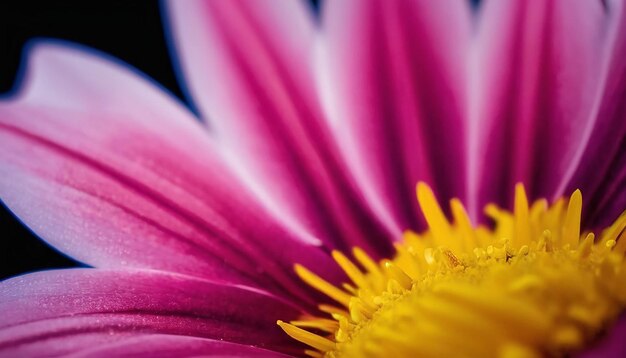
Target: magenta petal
x=66 y=311
x=248 y=65
x=612 y=345
x=392 y=77
x=600 y=169
x=165 y=346
x=116 y=173
x=534 y=85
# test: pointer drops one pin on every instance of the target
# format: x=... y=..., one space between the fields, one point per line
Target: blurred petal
x=248 y=65
x=67 y=311
x=165 y=346
x=600 y=167
x=535 y=80
x=392 y=80
x=612 y=345
x=115 y=173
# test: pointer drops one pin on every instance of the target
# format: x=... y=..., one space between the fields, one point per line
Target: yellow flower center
x=532 y=286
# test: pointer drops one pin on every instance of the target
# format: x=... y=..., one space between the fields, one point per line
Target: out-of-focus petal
x=165 y=346
x=534 y=82
x=612 y=345
x=68 y=311
x=599 y=169
x=392 y=80
x=248 y=66
x=116 y=173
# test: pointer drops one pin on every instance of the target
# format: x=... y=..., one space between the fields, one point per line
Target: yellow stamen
x=366 y=261
x=522 y=234
x=323 y=324
x=463 y=223
x=432 y=212
x=350 y=269
x=571 y=227
x=306 y=337
x=314 y=354
x=322 y=285
x=395 y=273
x=331 y=310
x=532 y=286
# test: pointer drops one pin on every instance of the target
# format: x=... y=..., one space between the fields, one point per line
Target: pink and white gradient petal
x=70 y=311
x=534 y=81
x=392 y=80
x=115 y=173
x=600 y=167
x=248 y=64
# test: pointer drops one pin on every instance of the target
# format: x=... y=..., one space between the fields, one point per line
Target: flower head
x=205 y=228
x=531 y=286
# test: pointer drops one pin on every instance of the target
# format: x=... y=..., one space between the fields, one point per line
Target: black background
x=129 y=30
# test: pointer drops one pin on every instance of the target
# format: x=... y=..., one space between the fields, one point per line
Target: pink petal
x=535 y=80
x=69 y=311
x=612 y=345
x=392 y=77
x=608 y=200
x=116 y=173
x=160 y=345
x=600 y=167
x=248 y=65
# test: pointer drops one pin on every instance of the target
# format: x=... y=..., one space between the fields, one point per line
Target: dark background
x=129 y=30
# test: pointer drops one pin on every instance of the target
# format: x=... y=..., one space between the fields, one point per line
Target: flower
x=310 y=141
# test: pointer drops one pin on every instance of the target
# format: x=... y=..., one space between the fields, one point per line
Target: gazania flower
x=288 y=195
